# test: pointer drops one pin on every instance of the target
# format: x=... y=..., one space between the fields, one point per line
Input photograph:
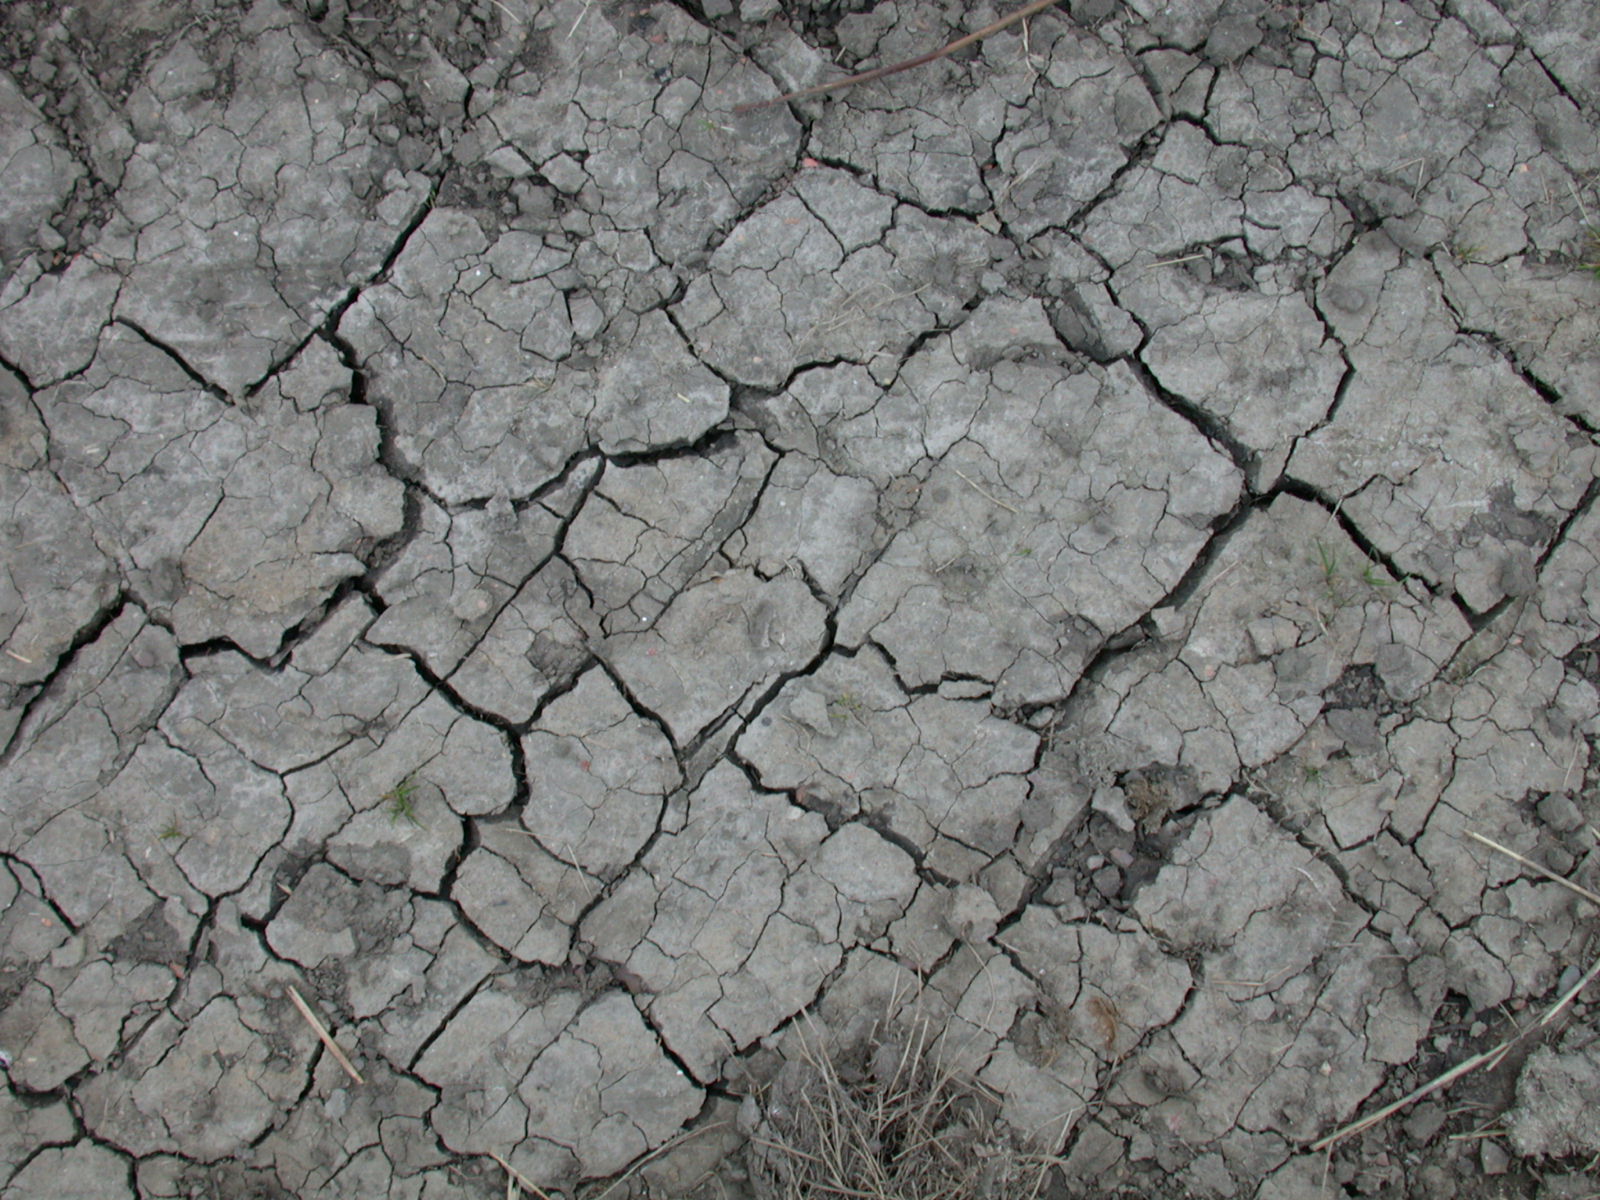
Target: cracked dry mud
x=583 y=585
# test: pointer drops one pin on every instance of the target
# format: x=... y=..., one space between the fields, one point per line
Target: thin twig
x=321 y=1031
x=961 y=43
x=1591 y=897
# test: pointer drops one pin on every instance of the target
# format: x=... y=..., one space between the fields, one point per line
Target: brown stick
x=1026 y=11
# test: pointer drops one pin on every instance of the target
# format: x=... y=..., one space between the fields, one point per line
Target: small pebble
x=1494 y=1158
x=1108 y=881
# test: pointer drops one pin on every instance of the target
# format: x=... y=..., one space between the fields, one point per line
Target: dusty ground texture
x=579 y=583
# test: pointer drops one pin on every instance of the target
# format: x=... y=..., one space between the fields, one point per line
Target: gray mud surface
x=582 y=584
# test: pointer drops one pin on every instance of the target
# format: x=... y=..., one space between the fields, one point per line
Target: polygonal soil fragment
x=1397 y=135
x=70 y=1001
x=562 y=1088
x=523 y=898
x=1450 y=150
x=1268 y=1045
x=1084 y=118
x=396 y=962
x=945 y=775
x=605 y=1091
x=1569 y=587
x=462 y=338
x=1551 y=1115
x=85 y=727
x=628 y=113
x=467 y=344
x=1045 y=525
x=55 y=579
x=1545 y=315
x=654 y=394
x=390 y=806
x=50 y=323
x=799 y=282
x=369 y=943
x=480 y=1058
x=647 y=530
x=731 y=922
x=39 y=173
x=1286 y=607
x=84 y=1170
x=193 y=818
x=811 y=516
x=1468 y=481
x=1186 y=194
x=332 y=690
x=248 y=207
x=1100 y=993
x=371 y=1139
x=379 y=769
x=928 y=135
x=598 y=774
x=81 y=834
x=207 y=1087
x=240 y=520
x=752 y=629
x=410 y=838
x=456 y=574
x=1260 y=362
x=538 y=643
x=29 y=933
x=1558 y=30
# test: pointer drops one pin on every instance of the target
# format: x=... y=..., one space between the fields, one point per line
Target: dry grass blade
x=991 y=499
x=321 y=1031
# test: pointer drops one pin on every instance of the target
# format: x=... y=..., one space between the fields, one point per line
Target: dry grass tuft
x=885 y=1122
